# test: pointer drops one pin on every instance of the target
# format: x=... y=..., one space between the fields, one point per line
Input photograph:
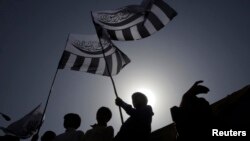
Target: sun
x=150 y=95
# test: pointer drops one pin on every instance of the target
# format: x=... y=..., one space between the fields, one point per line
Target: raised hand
x=119 y=101
x=197 y=89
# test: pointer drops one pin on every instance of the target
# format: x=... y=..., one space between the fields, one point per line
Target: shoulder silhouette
x=100 y=131
x=138 y=125
x=71 y=123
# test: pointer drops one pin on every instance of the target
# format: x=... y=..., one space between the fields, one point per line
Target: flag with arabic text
x=135 y=22
x=86 y=53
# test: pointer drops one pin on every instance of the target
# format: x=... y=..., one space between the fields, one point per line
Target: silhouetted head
x=103 y=115
x=72 y=120
x=139 y=100
x=10 y=138
x=48 y=136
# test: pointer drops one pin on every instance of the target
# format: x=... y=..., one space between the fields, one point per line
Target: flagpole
x=50 y=91
x=110 y=76
x=7 y=118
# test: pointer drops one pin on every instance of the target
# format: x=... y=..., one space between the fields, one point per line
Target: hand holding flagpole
x=110 y=76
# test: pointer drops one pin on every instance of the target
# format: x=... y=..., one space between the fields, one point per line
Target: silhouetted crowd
x=193 y=121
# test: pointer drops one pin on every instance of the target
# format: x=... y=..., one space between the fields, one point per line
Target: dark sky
x=208 y=40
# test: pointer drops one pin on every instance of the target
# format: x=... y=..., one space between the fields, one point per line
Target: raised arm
x=193 y=92
x=128 y=108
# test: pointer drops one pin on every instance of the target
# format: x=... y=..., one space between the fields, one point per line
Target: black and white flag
x=135 y=21
x=85 y=53
x=26 y=126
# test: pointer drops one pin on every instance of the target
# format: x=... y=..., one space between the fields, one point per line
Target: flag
x=7 y=118
x=86 y=53
x=135 y=22
x=26 y=126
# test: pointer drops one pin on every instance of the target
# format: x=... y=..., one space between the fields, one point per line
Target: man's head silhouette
x=48 y=136
x=103 y=115
x=139 y=100
x=72 y=120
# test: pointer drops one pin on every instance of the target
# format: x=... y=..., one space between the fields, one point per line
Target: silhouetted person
x=47 y=136
x=193 y=118
x=138 y=126
x=35 y=137
x=100 y=131
x=9 y=138
x=71 y=123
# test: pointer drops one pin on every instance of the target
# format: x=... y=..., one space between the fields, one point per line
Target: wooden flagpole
x=110 y=76
x=50 y=91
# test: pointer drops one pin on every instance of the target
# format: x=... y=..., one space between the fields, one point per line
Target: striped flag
x=85 y=53
x=135 y=22
x=26 y=126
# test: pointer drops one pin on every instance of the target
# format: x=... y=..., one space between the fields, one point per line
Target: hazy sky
x=208 y=40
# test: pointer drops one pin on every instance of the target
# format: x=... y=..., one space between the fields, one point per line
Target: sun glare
x=149 y=94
